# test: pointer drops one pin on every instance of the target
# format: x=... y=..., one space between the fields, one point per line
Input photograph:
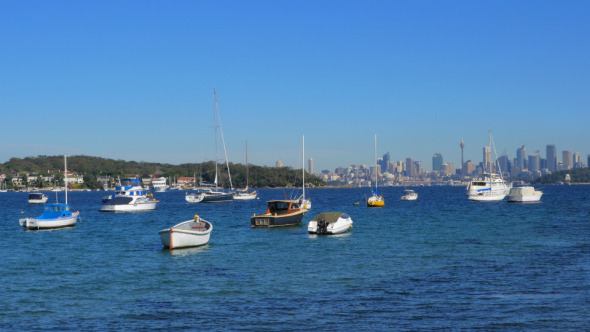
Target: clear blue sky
x=134 y=80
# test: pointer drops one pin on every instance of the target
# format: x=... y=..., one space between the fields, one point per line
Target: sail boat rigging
x=375 y=200
x=244 y=194
x=488 y=186
x=214 y=196
x=305 y=203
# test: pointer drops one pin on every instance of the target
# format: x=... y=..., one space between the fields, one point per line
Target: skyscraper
x=576 y=160
x=520 y=155
x=551 y=158
x=567 y=159
x=487 y=159
x=410 y=168
x=310 y=166
x=437 y=162
x=535 y=162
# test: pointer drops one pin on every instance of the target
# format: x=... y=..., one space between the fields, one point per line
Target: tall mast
x=231 y=186
x=247 y=165
x=375 y=163
x=66 y=176
x=303 y=162
x=215 y=125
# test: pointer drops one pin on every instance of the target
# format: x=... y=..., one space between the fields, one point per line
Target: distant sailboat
x=304 y=202
x=243 y=194
x=375 y=200
x=214 y=196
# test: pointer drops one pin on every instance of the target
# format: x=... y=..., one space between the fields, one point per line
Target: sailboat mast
x=66 y=176
x=247 y=183
x=215 y=125
x=303 y=162
x=375 y=162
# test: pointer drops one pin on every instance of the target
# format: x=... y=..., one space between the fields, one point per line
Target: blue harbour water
x=441 y=262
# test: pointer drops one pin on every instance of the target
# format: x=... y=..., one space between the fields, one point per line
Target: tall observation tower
x=462 y=145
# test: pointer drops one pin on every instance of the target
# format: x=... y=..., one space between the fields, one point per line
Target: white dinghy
x=330 y=223
x=191 y=233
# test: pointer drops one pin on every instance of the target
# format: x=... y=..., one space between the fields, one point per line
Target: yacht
x=375 y=200
x=37 y=198
x=409 y=195
x=159 y=185
x=129 y=196
x=488 y=186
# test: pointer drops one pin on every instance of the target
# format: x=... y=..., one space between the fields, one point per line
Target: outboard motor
x=322 y=226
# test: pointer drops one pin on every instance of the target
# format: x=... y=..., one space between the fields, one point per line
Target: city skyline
x=134 y=80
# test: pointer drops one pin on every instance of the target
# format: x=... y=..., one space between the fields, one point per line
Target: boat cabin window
x=479 y=183
x=278 y=206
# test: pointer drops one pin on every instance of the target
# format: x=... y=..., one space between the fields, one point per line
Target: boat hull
x=36 y=223
x=277 y=220
x=132 y=207
x=525 y=199
x=243 y=197
x=375 y=201
x=186 y=234
x=209 y=198
x=341 y=226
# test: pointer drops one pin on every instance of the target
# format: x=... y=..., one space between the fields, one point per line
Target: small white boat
x=245 y=195
x=330 y=223
x=410 y=195
x=191 y=233
x=524 y=194
x=37 y=198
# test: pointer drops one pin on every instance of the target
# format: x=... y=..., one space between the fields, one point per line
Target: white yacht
x=37 y=198
x=129 y=196
x=488 y=186
x=159 y=185
x=409 y=195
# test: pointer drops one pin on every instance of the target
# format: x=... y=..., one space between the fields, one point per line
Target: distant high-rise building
x=487 y=158
x=279 y=163
x=535 y=162
x=576 y=160
x=418 y=167
x=310 y=165
x=410 y=168
x=520 y=157
x=437 y=162
x=469 y=167
x=504 y=165
x=567 y=159
x=551 y=158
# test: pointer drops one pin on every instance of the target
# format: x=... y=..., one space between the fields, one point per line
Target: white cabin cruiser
x=487 y=187
x=330 y=223
x=159 y=185
x=524 y=194
x=37 y=198
x=409 y=195
x=128 y=197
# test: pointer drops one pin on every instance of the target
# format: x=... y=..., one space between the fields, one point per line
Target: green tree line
x=579 y=175
x=92 y=167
